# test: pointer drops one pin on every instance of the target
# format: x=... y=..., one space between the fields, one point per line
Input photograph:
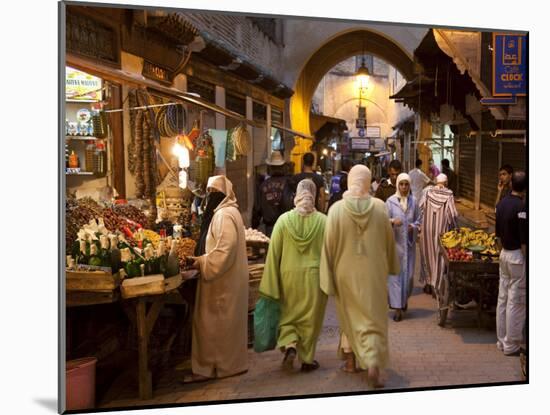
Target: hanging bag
x=266 y=324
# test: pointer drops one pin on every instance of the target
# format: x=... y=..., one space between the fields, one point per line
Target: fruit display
x=77 y=214
x=151 y=236
x=467 y=238
x=132 y=213
x=459 y=254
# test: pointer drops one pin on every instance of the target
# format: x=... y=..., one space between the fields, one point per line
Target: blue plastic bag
x=266 y=324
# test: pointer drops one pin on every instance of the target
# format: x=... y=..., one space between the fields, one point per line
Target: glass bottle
x=89 y=154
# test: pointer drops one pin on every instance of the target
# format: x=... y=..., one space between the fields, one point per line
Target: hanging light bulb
x=182 y=153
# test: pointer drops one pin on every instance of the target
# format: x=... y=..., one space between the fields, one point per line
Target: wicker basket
x=253 y=293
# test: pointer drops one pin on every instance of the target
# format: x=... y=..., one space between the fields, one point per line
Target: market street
x=422 y=354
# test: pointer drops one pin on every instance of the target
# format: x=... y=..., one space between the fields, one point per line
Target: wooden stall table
x=134 y=302
x=476 y=275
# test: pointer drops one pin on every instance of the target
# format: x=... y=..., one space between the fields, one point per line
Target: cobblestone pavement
x=422 y=354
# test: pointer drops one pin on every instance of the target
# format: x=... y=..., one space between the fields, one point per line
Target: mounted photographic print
x=259 y=207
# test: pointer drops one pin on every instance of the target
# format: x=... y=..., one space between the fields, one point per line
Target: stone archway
x=334 y=51
x=337 y=49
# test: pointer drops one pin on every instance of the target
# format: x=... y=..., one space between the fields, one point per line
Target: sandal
x=194 y=378
x=308 y=367
x=373 y=379
x=288 y=361
x=344 y=368
x=398 y=316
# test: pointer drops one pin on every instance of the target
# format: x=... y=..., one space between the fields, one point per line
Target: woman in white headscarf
x=291 y=277
x=220 y=337
x=405 y=218
x=358 y=255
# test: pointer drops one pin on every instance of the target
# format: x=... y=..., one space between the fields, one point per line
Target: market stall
x=471 y=271
x=136 y=253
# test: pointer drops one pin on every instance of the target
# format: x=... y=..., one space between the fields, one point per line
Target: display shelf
x=79 y=173
x=81 y=137
x=82 y=101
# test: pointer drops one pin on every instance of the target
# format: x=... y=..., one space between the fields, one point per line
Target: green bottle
x=95 y=258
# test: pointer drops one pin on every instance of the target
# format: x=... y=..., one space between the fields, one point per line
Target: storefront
x=144 y=132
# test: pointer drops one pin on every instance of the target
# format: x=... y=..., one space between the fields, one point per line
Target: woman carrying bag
x=291 y=279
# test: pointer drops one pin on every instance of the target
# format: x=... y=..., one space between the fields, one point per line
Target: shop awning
x=139 y=81
x=318 y=121
x=463 y=48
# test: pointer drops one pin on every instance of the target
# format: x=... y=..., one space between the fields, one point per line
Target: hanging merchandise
x=170 y=120
x=138 y=148
x=131 y=148
x=241 y=139
x=99 y=124
x=194 y=133
x=230 y=154
x=183 y=179
x=219 y=139
x=204 y=161
x=177 y=118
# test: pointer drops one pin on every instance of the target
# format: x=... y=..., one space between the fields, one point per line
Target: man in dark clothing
x=339 y=183
x=511 y=230
x=309 y=173
x=387 y=187
x=504 y=182
x=268 y=203
x=452 y=181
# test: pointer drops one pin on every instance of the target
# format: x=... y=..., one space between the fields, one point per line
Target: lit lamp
x=362 y=75
x=182 y=153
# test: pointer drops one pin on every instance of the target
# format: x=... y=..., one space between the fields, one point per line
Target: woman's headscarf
x=403 y=200
x=441 y=178
x=359 y=179
x=304 y=201
x=220 y=194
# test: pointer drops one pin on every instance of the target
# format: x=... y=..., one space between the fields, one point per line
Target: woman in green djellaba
x=291 y=277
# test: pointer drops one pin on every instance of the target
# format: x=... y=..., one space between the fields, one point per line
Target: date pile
x=77 y=214
x=132 y=213
x=122 y=218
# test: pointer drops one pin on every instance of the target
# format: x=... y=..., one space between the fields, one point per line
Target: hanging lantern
x=183 y=179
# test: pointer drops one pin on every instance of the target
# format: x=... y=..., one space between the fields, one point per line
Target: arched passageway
x=340 y=47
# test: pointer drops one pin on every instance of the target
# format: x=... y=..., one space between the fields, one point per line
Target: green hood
x=303 y=229
x=359 y=210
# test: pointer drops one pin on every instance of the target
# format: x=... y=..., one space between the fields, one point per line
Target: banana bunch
x=451 y=239
x=464 y=237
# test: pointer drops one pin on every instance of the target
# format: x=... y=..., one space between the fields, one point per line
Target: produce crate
x=91 y=281
x=253 y=293
x=142 y=286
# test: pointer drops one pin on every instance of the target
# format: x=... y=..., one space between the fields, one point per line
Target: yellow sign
x=80 y=86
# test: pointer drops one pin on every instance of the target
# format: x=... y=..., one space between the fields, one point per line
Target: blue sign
x=509 y=64
x=361 y=132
